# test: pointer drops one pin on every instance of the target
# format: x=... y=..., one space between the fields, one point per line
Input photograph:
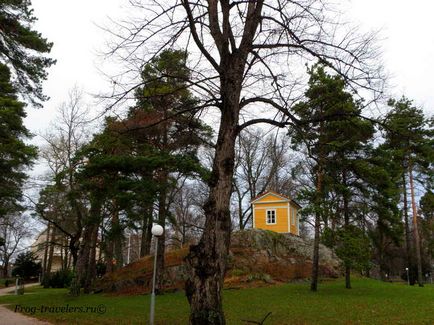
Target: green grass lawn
x=10 y=284
x=369 y=302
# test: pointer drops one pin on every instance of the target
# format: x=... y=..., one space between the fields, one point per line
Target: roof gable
x=279 y=197
x=269 y=194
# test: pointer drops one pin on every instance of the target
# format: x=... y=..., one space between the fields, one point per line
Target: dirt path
x=9 y=317
x=11 y=289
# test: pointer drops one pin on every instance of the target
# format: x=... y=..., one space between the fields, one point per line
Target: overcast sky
x=406 y=29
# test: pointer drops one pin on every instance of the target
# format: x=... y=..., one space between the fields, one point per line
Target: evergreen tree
x=165 y=115
x=427 y=218
x=15 y=155
x=335 y=135
x=130 y=164
x=407 y=132
x=22 y=48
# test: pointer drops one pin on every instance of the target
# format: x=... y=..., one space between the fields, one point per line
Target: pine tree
x=334 y=134
x=165 y=114
x=15 y=155
x=22 y=49
x=407 y=133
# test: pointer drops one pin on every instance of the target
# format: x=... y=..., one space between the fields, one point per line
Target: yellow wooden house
x=276 y=212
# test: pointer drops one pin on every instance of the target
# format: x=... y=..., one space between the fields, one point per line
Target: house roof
x=261 y=195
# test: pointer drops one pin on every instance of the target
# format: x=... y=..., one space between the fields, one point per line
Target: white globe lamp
x=157 y=230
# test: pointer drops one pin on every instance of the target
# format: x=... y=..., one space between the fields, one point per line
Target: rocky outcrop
x=256 y=256
x=283 y=257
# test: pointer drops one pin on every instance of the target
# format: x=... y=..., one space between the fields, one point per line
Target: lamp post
x=408 y=278
x=157 y=231
x=16 y=285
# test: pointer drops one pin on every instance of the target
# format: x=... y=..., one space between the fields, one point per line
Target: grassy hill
x=370 y=302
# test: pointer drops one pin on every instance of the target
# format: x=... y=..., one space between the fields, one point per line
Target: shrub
x=60 y=279
x=26 y=266
x=100 y=269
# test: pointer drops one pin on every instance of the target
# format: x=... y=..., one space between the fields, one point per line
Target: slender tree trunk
x=74 y=249
x=44 y=264
x=145 y=244
x=162 y=213
x=346 y=225
x=117 y=240
x=407 y=227
x=315 y=258
x=109 y=255
x=5 y=266
x=381 y=255
x=66 y=255
x=101 y=243
x=51 y=250
x=207 y=259
x=415 y=229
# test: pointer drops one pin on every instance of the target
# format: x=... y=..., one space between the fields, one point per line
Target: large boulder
x=256 y=256
x=283 y=257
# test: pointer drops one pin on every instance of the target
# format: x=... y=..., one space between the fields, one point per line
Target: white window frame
x=266 y=217
x=293 y=216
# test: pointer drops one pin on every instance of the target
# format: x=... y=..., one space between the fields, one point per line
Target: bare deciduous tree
x=247 y=57
x=13 y=230
x=188 y=217
x=61 y=203
x=262 y=162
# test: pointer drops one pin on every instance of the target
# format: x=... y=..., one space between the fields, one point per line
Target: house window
x=271 y=217
x=293 y=216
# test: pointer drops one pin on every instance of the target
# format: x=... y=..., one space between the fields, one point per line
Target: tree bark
x=145 y=245
x=91 y=272
x=346 y=225
x=207 y=259
x=315 y=258
x=407 y=228
x=83 y=256
x=109 y=256
x=415 y=229
x=381 y=255
x=162 y=213
x=117 y=240
x=5 y=267
x=66 y=253
x=44 y=264
x=51 y=251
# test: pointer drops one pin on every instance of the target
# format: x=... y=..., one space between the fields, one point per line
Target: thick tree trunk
x=315 y=258
x=86 y=259
x=83 y=255
x=207 y=259
x=415 y=229
x=91 y=270
x=407 y=228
